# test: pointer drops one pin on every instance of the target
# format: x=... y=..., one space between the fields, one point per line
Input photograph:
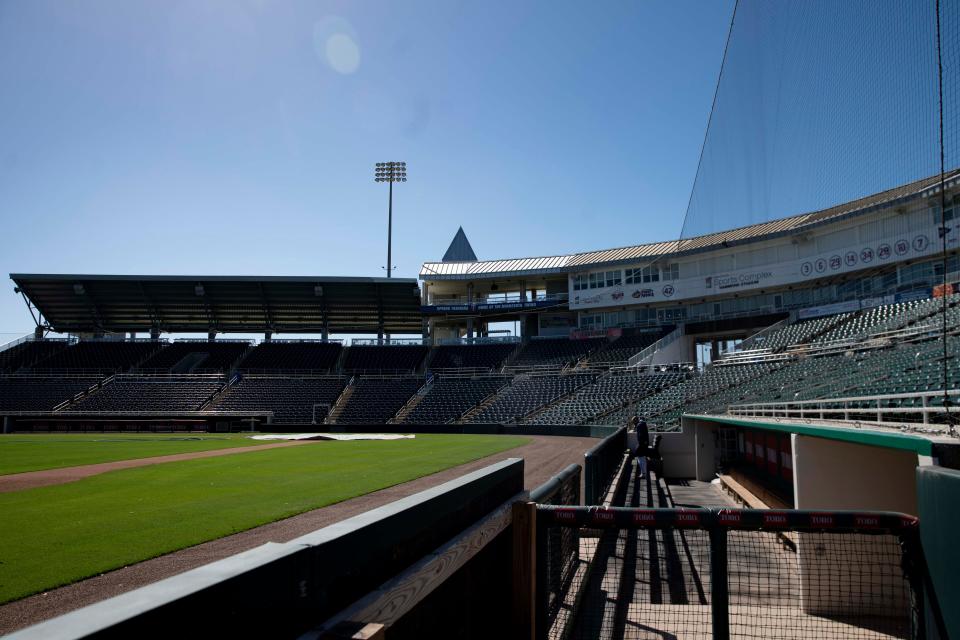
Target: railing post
x=719 y=588
x=879 y=413
x=524 y=569
x=925 y=405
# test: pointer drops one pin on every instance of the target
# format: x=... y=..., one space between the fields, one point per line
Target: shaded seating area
x=299 y=355
x=28 y=353
x=297 y=400
x=196 y=355
x=447 y=399
x=619 y=351
x=471 y=356
x=39 y=393
x=556 y=352
x=528 y=393
x=106 y=356
x=376 y=400
x=606 y=393
x=157 y=394
x=384 y=358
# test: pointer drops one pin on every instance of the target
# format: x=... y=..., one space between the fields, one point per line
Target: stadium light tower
x=390 y=172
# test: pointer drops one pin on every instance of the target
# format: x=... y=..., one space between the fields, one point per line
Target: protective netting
x=633 y=574
x=835 y=135
x=820 y=103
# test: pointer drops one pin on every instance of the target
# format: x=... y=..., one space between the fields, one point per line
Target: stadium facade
x=876 y=250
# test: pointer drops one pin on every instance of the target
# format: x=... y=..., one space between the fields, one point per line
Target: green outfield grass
x=56 y=535
x=19 y=453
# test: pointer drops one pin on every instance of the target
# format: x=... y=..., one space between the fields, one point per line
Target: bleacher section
x=376 y=400
x=113 y=357
x=602 y=396
x=885 y=350
x=28 y=353
x=556 y=352
x=384 y=359
x=619 y=351
x=292 y=400
x=447 y=399
x=799 y=332
x=34 y=393
x=476 y=356
x=195 y=357
x=293 y=356
x=156 y=394
x=879 y=319
x=665 y=407
x=527 y=394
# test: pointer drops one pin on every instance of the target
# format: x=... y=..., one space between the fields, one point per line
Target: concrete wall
x=828 y=474
x=851 y=574
x=679 y=452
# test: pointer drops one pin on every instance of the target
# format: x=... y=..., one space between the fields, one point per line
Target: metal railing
x=720 y=573
x=762 y=334
x=663 y=342
x=388 y=342
x=855 y=408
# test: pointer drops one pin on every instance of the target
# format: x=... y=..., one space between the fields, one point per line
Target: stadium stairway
x=341 y=402
x=412 y=403
x=481 y=407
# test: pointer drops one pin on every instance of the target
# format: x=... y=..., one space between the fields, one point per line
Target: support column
x=425 y=328
x=470 y=328
x=38 y=333
x=211 y=335
x=267 y=336
x=7 y=424
x=325 y=332
x=154 y=333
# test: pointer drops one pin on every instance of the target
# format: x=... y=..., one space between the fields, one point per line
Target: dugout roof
x=225 y=304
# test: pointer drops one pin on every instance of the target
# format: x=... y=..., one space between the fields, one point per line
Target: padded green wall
x=938 y=497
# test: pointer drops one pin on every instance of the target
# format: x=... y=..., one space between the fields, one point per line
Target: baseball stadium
x=748 y=429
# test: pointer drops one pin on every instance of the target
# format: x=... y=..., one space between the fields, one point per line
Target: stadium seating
x=105 y=356
x=799 y=332
x=385 y=358
x=555 y=352
x=607 y=392
x=28 y=353
x=376 y=400
x=195 y=357
x=292 y=400
x=878 y=319
x=475 y=356
x=293 y=356
x=157 y=394
x=36 y=393
x=526 y=394
x=447 y=399
x=619 y=351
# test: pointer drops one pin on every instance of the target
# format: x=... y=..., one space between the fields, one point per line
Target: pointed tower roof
x=459 y=249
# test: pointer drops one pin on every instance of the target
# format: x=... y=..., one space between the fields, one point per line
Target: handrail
x=670 y=338
x=821 y=407
x=749 y=341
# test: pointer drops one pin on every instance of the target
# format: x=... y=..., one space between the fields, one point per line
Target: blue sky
x=239 y=136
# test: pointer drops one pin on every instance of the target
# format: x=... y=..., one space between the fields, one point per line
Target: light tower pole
x=390 y=172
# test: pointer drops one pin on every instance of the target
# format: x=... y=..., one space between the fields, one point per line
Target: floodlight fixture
x=390 y=172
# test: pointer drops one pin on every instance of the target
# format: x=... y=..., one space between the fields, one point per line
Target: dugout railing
x=723 y=573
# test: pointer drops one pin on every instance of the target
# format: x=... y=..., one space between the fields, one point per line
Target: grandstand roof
x=74 y=303
x=659 y=250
